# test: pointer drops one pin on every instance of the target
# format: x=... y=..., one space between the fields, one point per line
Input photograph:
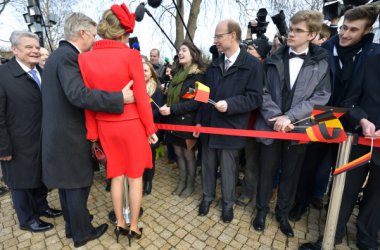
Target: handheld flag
x=354 y=164
x=202 y=92
x=151 y=100
x=323 y=113
x=189 y=94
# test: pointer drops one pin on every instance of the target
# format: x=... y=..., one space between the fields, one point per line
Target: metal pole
x=336 y=195
x=126 y=210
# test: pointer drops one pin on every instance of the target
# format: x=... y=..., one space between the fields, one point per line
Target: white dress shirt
x=295 y=65
x=232 y=58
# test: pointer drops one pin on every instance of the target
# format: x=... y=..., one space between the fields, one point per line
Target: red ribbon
x=254 y=133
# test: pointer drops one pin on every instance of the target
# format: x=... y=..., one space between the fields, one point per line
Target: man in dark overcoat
x=66 y=154
x=236 y=80
x=20 y=132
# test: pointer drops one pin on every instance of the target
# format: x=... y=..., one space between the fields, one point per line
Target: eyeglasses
x=219 y=36
x=297 y=31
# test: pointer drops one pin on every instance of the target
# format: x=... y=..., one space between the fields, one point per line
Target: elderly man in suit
x=66 y=154
x=20 y=132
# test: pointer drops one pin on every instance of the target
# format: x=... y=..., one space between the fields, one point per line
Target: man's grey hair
x=76 y=22
x=16 y=35
x=154 y=49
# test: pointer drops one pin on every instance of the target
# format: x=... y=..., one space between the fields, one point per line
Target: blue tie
x=35 y=77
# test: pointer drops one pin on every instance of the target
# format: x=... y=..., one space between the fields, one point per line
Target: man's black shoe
x=97 y=232
x=204 y=207
x=285 y=227
x=3 y=190
x=227 y=215
x=296 y=213
x=51 y=213
x=37 y=226
x=259 y=221
x=311 y=246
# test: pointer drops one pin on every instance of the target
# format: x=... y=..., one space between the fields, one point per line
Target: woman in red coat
x=124 y=137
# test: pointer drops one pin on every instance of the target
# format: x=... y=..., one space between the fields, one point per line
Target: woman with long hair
x=179 y=110
x=124 y=137
x=156 y=101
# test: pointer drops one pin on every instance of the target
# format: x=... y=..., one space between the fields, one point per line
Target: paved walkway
x=169 y=223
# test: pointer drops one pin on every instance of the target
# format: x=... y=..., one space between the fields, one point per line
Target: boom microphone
x=139 y=12
x=154 y=3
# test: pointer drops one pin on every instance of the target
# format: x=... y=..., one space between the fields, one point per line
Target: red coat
x=110 y=66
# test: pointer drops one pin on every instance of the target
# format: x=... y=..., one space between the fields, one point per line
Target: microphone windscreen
x=154 y=3
x=139 y=12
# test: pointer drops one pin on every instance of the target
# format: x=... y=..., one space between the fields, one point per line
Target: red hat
x=127 y=20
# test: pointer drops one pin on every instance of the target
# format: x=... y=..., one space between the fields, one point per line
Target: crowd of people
x=56 y=109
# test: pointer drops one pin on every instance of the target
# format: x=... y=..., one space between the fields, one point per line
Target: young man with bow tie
x=297 y=79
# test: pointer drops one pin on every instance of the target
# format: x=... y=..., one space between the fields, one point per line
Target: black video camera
x=262 y=24
x=333 y=9
x=279 y=21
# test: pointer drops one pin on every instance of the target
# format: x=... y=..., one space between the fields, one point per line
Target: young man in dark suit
x=297 y=79
x=20 y=132
x=66 y=154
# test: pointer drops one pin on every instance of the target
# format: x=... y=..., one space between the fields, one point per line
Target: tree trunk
x=179 y=26
x=193 y=17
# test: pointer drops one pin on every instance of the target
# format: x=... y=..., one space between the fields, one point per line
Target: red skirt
x=126 y=147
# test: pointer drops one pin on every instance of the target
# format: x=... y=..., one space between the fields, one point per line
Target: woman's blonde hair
x=109 y=26
x=151 y=85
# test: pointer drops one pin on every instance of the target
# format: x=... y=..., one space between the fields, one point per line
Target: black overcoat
x=368 y=100
x=241 y=87
x=20 y=127
x=66 y=156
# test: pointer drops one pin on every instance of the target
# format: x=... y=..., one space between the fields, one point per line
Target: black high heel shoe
x=132 y=234
x=122 y=231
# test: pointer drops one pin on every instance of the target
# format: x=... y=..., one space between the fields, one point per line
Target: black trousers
x=149 y=173
x=368 y=220
x=227 y=160
x=29 y=203
x=318 y=155
x=75 y=212
x=290 y=157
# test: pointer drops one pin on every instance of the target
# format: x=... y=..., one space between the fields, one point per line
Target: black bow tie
x=293 y=55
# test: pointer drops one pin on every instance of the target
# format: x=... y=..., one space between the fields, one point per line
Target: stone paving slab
x=170 y=222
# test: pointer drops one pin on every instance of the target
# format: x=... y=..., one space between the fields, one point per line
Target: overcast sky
x=147 y=31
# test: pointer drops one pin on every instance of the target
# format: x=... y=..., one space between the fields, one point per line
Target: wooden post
x=336 y=195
